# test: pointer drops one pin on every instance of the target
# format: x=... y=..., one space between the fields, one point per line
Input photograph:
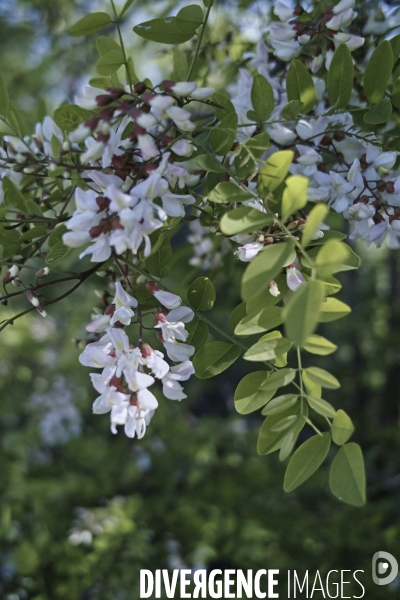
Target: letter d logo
x=382 y=568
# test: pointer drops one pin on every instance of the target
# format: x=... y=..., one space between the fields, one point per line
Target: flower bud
x=33 y=299
x=146 y=350
x=11 y=274
x=152 y=287
x=41 y=311
x=273 y=289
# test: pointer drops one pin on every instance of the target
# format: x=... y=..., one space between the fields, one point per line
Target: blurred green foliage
x=81 y=511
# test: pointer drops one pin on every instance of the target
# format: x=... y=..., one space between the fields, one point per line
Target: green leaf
x=198 y=333
x=209 y=163
x=57 y=252
x=250 y=152
x=33 y=209
x=395 y=43
x=225 y=104
x=395 y=93
x=214 y=358
x=379 y=113
x=279 y=404
x=322 y=407
x=301 y=313
x=300 y=85
x=159 y=262
x=340 y=77
x=180 y=64
x=201 y=294
x=333 y=309
x=227 y=192
x=378 y=72
x=331 y=257
x=35 y=232
x=312 y=388
x=244 y=220
x=259 y=321
x=291 y=436
x=89 y=24
x=306 y=460
x=237 y=315
x=223 y=136
x=101 y=82
x=171 y=30
x=347 y=475
x=69 y=116
x=248 y=396
x=4 y=98
x=294 y=195
x=314 y=220
x=105 y=44
x=279 y=379
x=110 y=62
x=316 y=344
x=275 y=169
x=269 y=440
x=264 y=268
x=322 y=378
x=126 y=7
x=262 y=98
x=13 y=196
x=56 y=236
x=291 y=110
x=268 y=349
x=342 y=428
x=192 y=13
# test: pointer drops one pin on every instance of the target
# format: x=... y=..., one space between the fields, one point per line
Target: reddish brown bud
x=390 y=187
x=104 y=100
x=152 y=287
x=139 y=88
x=167 y=85
x=92 y=123
x=326 y=140
x=268 y=241
x=102 y=203
x=298 y=10
x=95 y=231
x=116 y=93
x=110 y=310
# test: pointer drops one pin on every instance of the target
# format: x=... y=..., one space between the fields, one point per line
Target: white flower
x=183 y=148
x=172 y=332
x=100 y=323
x=342 y=6
x=80 y=134
x=201 y=93
x=182 y=313
x=281 y=134
x=294 y=278
x=179 y=352
x=173 y=204
x=283 y=11
x=282 y=32
x=156 y=363
x=147 y=146
x=184 y=88
x=249 y=251
x=88 y=100
x=167 y=299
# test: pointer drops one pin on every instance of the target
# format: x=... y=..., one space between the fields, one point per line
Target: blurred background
x=81 y=510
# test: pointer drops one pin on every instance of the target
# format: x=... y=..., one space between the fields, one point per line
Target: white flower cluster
x=129 y=371
x=289 y=34
x=119 y=213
